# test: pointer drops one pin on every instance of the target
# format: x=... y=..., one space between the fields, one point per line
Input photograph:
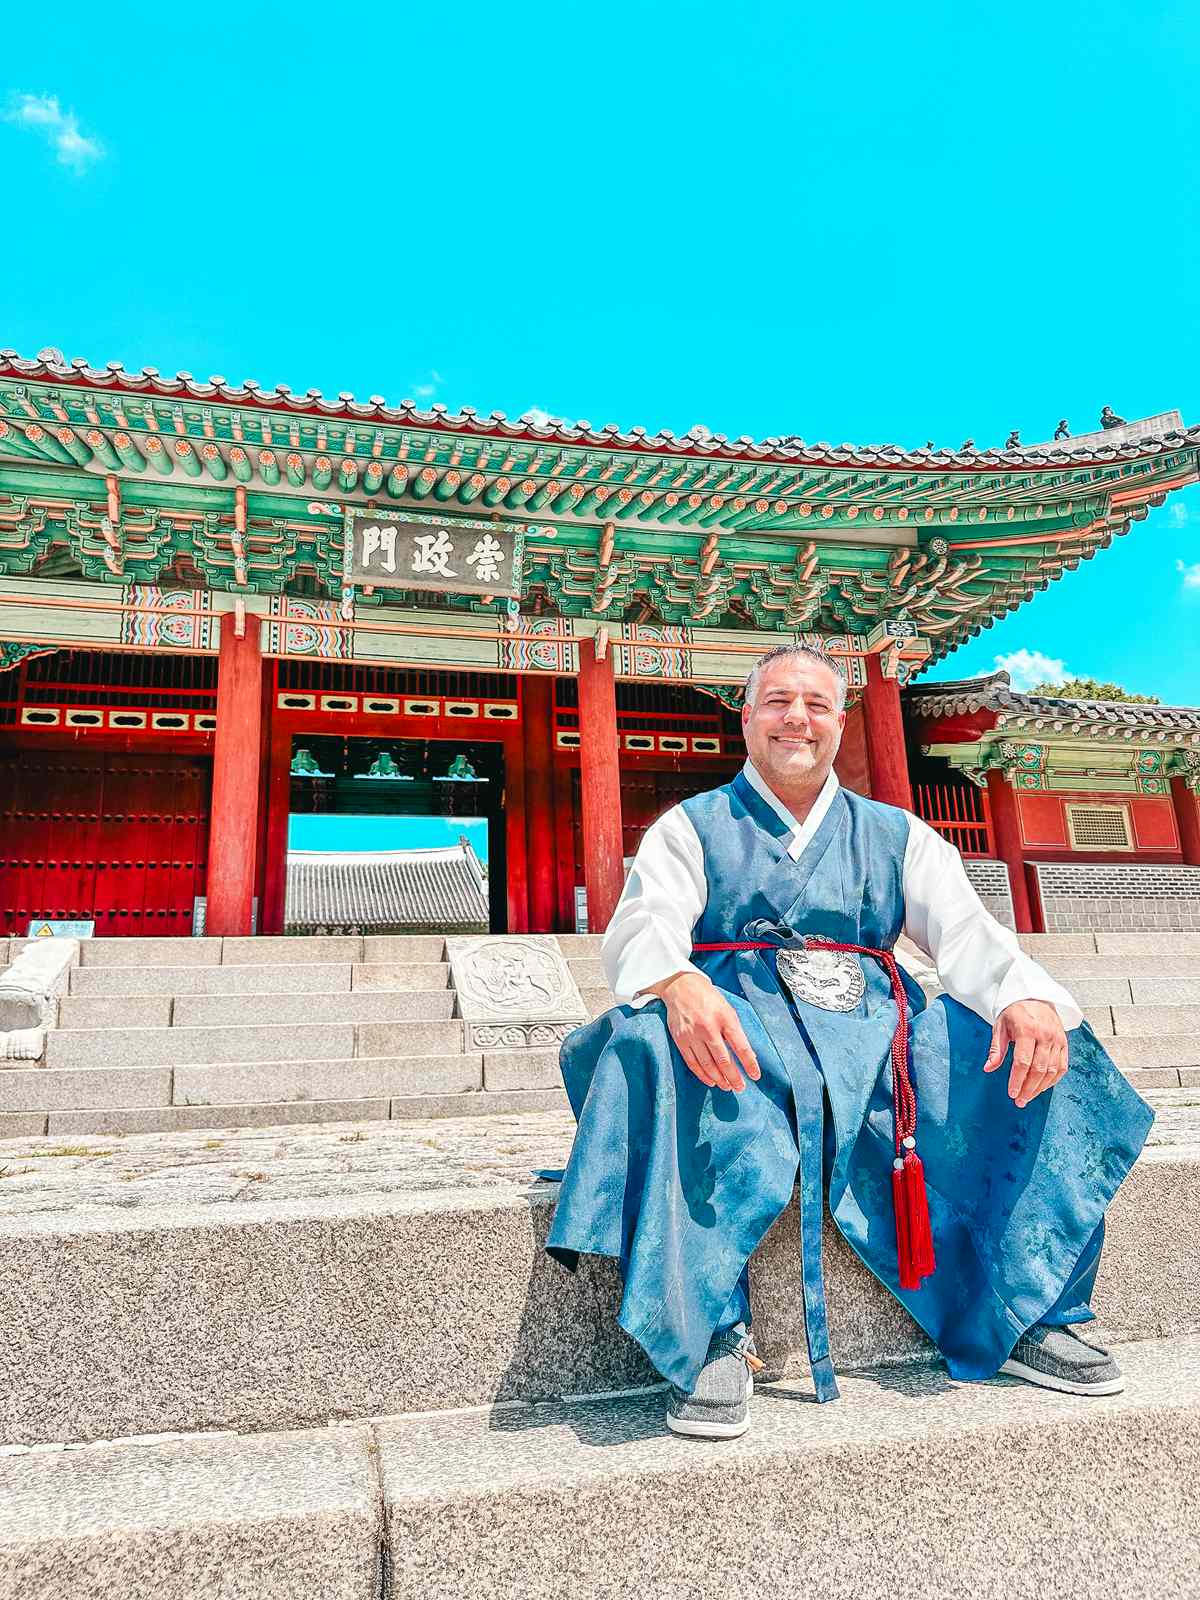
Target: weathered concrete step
x=276 y=1516
x=202 y=1046
x=279 y=1313
x=490 y=1505
x=421 y=1107
x=1118 y=991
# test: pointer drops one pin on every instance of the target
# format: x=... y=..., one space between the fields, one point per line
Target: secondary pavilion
x=223 y=607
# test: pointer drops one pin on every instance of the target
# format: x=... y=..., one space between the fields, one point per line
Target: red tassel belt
x=914 y=1237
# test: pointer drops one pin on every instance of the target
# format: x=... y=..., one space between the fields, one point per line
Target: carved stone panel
x=515 y=991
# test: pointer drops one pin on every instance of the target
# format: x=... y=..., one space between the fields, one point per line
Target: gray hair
x=806 y=652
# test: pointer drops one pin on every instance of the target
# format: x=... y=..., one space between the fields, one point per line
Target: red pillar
x=884 y=726
x=237 y=764
x=564 y=847
x=515 y=852
x=1006 y=840
x=538 y=715
x=1187 y=819
x=279 y=794
x=600 y=783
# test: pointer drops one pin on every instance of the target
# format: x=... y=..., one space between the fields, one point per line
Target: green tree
x=1092 y=689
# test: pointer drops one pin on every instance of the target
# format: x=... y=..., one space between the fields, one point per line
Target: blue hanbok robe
x=679 y=1183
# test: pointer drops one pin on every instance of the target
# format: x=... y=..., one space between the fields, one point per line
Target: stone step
x=1069 y=969
x=1146 y=1080
x=273 y=978
x=226 y=1085
x=498 y=1503
x=1180 y=1050
x=1166 y=991
x=274 y=1516
x=264 y=950
x=217 y=1118
x=228 y=1010
x=588 y=974
x=276 y=1312
x=1131 y=943
x=90 y=1048
x=503 y=1504
x=304 y=1010
x=326 y=978
x=1150 y=1022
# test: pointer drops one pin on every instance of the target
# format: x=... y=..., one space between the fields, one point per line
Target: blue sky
x=313 y=832
x=862 y=222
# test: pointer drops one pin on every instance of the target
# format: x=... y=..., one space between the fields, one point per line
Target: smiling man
x=769 y=1035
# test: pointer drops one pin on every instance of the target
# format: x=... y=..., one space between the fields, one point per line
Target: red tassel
x=914 y=1237
x=903 y=1237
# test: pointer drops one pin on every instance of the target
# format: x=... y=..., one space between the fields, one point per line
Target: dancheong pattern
x=307 y=628
x=153 y=626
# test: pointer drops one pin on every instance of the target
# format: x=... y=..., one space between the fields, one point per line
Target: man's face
x=793 y=728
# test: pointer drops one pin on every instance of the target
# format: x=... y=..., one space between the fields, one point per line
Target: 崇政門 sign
x=456 y=556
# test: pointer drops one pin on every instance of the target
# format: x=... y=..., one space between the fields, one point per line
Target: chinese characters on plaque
x=464 y=557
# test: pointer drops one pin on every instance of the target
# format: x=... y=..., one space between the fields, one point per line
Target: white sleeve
x=978 y=960
x=650 y=935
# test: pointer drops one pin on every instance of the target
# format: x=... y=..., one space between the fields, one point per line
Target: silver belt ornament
x=831 y=979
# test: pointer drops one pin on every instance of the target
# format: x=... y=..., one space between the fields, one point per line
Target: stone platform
x=363 y=1373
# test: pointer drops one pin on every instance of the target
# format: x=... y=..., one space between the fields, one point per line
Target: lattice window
x=1099 y=828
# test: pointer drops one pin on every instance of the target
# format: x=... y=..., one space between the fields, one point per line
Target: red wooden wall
x=118 y=837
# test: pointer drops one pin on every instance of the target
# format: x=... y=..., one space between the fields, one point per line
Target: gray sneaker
x=719 y=1406
x=1058 y=1358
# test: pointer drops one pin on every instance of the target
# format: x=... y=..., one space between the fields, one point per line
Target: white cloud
x=536 y=417
x=1191 y=575
x=698 y=430
x=429 y=387
x=1027 y=667
x=43 y=114
x=1178 y=514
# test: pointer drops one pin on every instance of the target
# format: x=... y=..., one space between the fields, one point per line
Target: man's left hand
x=1039 y=1044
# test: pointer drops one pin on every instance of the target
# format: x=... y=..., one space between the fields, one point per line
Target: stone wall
x=1077 y=897
x=989 y=879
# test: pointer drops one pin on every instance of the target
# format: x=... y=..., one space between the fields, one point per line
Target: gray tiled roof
x=1147 y=437
x=995 y=693
x=443 y=888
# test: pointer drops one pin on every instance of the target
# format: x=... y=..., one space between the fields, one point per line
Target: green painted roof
x=774 y=534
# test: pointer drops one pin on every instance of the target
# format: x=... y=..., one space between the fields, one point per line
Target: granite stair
x=162 y=1034
x=266 y=1353
x=326 y=1360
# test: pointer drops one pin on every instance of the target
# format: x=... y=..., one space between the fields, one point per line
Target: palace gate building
x=224 y=608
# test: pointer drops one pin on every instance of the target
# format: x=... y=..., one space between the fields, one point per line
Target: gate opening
x=392 y=836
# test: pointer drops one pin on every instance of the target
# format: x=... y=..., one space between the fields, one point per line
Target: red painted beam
x=884 y=727
x=600 y=775
x=233 y=826
x=1006 y=833
x=537 y=706
x=1187 y=819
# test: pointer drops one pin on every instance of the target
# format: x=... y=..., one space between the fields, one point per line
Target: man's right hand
x=707 y=1031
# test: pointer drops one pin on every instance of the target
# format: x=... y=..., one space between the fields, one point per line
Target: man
x=769 y=1033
